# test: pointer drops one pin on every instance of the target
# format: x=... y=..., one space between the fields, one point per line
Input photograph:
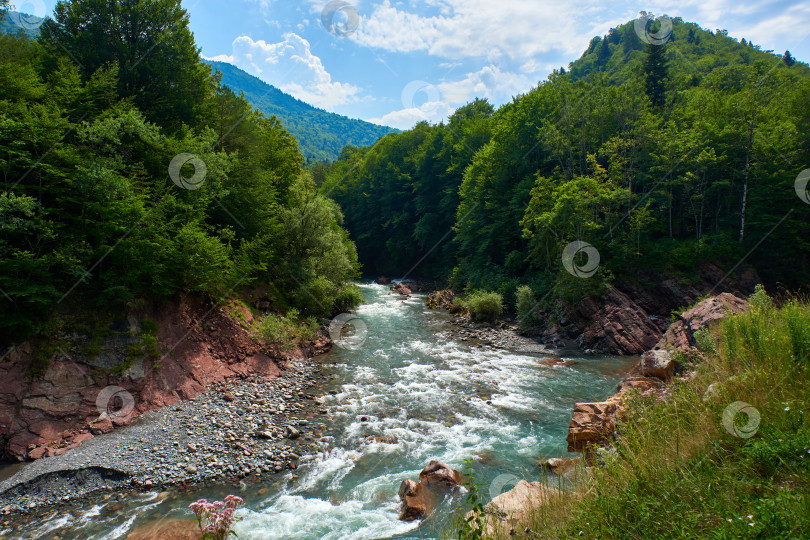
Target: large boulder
x=658 y=363
x=514 y=509
x=436 y=481
x=681 y=334
x=593 y=424
x=440 y=299
x=642 y=384
x=417 y=502
x=405 y=289
x=521 y=499
x=382 y=280
x=440 y=474
x=401 y=288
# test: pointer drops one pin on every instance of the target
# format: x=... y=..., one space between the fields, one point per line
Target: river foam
x=412 y=393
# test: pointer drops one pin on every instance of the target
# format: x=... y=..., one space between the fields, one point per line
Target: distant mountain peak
x=321 y=135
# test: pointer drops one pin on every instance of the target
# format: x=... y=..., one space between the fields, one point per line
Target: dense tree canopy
x=660 y=157
x=150 y=45
x=94 y=205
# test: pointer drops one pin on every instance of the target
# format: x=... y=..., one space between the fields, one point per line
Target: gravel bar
x=233 y=430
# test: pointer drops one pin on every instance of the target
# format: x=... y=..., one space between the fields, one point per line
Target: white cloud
x=291 y=66
x=434 y=103
x=519 y=29
x=431 y=111
x=769 y=23
x=770 y=31
x=489 y=82
x=527 y=33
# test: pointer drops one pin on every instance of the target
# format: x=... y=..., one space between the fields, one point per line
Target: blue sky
x=397 y=63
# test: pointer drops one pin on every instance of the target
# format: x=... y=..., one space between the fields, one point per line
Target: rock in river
x=420 y=498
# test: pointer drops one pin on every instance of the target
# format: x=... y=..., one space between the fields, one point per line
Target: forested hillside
x=14 y=22
x=129 y=172
x=660 y=156
x=320 y=134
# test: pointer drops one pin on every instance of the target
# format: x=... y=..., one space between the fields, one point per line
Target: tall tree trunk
x=670 y=212
x=747 y=176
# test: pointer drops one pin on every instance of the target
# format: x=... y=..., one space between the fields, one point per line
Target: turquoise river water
x=425 y=395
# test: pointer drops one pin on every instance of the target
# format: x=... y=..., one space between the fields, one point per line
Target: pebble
x=176 y=445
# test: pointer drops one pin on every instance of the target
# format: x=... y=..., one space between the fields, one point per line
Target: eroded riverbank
x=419 y=388
x=238 y=430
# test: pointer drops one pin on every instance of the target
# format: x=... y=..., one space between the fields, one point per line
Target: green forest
x=321 y=135
x=129 y=171
x=660 y=156
x=145 y=188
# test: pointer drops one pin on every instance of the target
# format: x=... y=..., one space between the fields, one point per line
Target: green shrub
x=484 y=306
x=286 y=331
x=760 y=301
x=526 y=309
x=704 y=340
x=150 y=345
x=348 y=298
x=316 y=297
x=149 y=326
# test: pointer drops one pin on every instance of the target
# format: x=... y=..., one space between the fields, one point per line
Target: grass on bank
x=286 y=331
x=677 y=472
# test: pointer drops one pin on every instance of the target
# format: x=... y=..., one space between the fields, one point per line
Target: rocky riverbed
x=502 y=335
x=236 y=430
